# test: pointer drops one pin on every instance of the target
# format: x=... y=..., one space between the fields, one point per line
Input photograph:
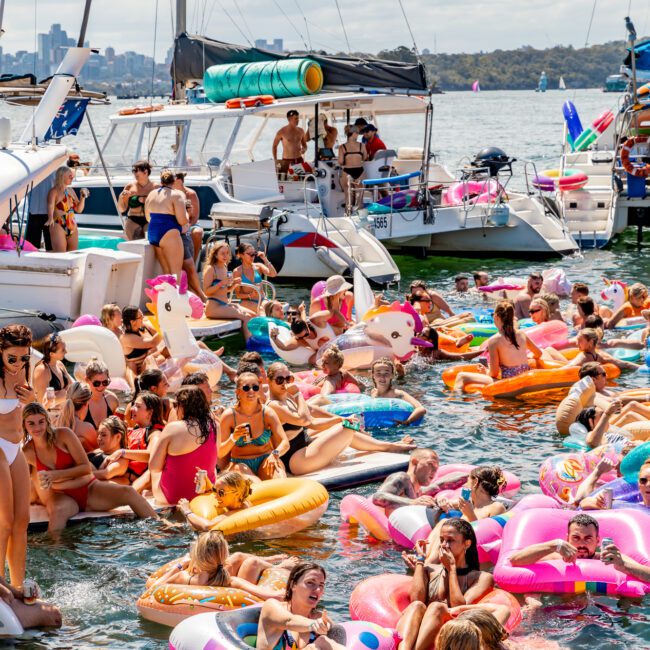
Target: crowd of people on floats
x=70 y=444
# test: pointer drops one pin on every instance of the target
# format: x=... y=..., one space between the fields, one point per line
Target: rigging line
x=153 y=77
x=326 y=31
x=347 y=41
x=232 y=20
x=300 y=36
x=306 y=25
x=416 y=50
x=205 y=8
x=591 y=20
x=241 y=15
x=645 y=20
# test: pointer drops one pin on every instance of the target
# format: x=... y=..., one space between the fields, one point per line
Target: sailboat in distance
x=475 y=87
x=561 y=85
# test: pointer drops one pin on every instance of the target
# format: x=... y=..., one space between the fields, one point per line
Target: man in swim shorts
x=408 y=488
x=523 y=300
x=294 y=143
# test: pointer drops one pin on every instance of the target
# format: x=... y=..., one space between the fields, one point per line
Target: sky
x=439 y=25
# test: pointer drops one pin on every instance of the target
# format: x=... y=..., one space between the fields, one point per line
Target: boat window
x=207 y=140
x=120 y=147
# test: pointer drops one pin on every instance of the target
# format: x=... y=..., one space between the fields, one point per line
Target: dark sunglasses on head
x=288 y=379
x=249 y=387
x=24 y=358
x=104 y=382
x=643 y=481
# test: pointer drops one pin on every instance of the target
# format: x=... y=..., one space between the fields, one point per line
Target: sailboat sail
x=475 y=87
x=562 y=85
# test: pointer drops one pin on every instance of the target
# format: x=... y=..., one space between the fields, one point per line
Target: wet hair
x=492 y=632
x=583 y=520
x=79 y=395
x=298 y=571
x=208 y=554
x=129 y=316
x=115 y=427
x=587 y=305
x=586 y=416
x=241 y=485
x=459 y=635
x=246 y=367
x=108 y=311
x=417 y=284
x=506 y=312
x=196 y=411
x=48 y=345
x=214 y=251
x=167 y=177
x=491 y=479
x=96 y=367
x=142 y=165
x=637 y=290
x=36 y=408
x=59 y=175
x=383 y=361
x=590 y=369
x=430 y=334
x=581 y=288
x=333 y=352
x=589 y=335
x=149 y=379
x=195 y=379
x=14 y=336
x=460 y=278
x=594 y=321
x=268 y=307
x=275 y=368
x=422 y=453
x=299 y=326
x=154 y=404
x=252 y=357
x=467 y=531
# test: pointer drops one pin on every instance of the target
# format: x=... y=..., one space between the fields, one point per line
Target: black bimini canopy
x=194 y=54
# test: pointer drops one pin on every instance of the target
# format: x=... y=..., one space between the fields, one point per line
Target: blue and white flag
x=68 y=119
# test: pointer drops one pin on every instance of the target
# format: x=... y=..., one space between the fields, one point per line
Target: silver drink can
x=605 y=541
x=201 y=475
x=608 y=495
x=30 y=591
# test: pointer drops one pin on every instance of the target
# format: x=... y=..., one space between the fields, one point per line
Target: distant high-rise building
x=277 y=45
x=109 y=53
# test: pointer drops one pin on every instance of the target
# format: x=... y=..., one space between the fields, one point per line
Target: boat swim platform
x=38 y=519
x=213 y=327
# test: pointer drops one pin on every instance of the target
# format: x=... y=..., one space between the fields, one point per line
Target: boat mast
x=2 y=13
x=84 y=24
x=181 y=26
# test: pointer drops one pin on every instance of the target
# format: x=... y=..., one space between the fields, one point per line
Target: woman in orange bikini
x=62 y=202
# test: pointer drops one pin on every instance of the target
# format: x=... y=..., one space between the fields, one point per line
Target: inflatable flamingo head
x=396 y=325
x=616 y=291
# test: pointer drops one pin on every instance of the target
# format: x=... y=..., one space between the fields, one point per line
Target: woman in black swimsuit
x=50 y=372
x=352 y=155
x=102 y=402
x=132 y=198
x=138 y=341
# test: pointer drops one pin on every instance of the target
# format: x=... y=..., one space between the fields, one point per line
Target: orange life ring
x=236 y=102
x=258 y=100
x=138 y=110
x=626 y=150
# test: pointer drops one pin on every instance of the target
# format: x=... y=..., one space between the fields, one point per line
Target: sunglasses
x=104 y=382
x=137 y=169
x=643 y=481
x=533 y=311
x=221 y=492
x=24 y=359
x=601 y=374
x=293 y=313
x=251 y=253
x=248 y=387
x=288 y=379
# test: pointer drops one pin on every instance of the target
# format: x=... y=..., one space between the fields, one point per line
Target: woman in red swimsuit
x=64 y=482
x=62 y=203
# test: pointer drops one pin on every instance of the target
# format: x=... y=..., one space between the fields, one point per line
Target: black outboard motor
x=494 y=160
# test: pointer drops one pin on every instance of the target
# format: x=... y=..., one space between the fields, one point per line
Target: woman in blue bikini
x=218 y=282
x=250 y=273
x=251 y=437
x=508 y=351
x=167 y=215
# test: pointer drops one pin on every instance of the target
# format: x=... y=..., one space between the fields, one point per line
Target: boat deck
x=215 y=327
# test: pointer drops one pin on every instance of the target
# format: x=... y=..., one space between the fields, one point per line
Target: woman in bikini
x=251 y=274
x=165 y=210
x=62 y=203
x=637 y=301
x=74 y=413
x=315 y=436
x=182 y=447
x=152 y=380
x=456 y=581
x=218 y=283
x=103 y=402
x=50 y=371
x=250 y=434
x=15 y=392
x=508 y=351
x=338 y=300
x=64 y=480
x=138 y=340
x=111 y=437
x=352 y=155
x=132 y=199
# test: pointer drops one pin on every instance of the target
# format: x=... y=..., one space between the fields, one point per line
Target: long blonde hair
x=459 y=635
x=108 y=311
x=208 y=554
x=58 y=176
x=35 y=408
x=79 y=394
x=214 y=251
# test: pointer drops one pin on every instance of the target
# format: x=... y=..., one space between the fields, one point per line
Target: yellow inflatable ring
x=279 y=507
x=169 y=604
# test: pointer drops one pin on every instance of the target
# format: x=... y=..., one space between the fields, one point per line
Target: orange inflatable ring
x=447 y=342
x=626 y=151
x=169 y=604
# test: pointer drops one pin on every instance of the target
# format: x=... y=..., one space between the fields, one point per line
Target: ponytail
x=506 y=313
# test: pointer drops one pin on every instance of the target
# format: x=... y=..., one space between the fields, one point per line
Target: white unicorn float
x=617 y=292
x=170 y=306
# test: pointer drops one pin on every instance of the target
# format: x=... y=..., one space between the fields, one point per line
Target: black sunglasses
x=104 y=382
x=12 y=359
x=288 y=379
x=533 y=311
x=643 y=481
x=248 y=387
x=293 y=313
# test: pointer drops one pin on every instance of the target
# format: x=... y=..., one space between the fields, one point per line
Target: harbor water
x=95 y=571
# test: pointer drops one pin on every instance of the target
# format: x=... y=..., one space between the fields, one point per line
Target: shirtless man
x=294 y=143
x=409 y=488
x=523 y=300
x=481 y=279
x=132 y=198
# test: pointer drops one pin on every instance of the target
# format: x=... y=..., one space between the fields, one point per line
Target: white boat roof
x=332 y=103
x=23 y=165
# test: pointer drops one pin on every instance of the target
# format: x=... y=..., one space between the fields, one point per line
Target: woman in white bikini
x=15 y=392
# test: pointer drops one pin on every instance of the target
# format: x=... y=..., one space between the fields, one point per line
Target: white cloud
x=452 y=25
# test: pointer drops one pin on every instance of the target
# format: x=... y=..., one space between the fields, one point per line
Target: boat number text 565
x=381 y=223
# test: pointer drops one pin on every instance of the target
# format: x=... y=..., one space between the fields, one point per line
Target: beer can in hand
x=201 y=476
x=608 y=495
x=30 y=591
x=606 y=541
